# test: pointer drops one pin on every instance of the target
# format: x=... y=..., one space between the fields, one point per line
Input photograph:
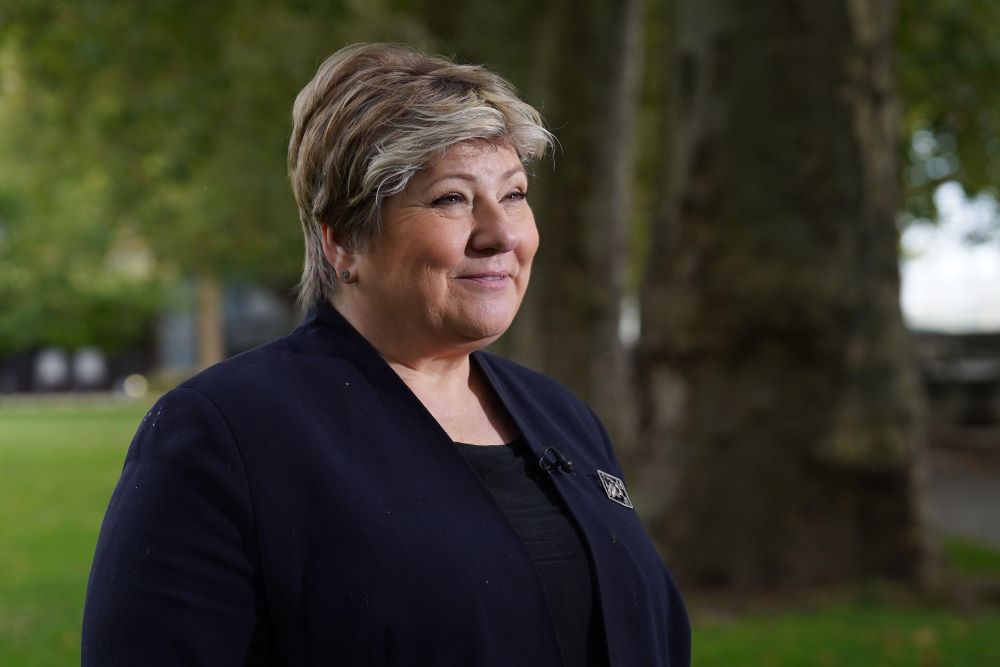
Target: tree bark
x=780 y=414
x=211 y=333
x=584 y=209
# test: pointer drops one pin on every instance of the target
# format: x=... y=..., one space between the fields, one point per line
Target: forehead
x=477 y=158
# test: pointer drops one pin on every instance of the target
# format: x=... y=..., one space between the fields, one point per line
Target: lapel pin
x=615 y=488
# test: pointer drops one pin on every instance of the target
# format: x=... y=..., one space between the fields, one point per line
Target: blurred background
x=770 y=260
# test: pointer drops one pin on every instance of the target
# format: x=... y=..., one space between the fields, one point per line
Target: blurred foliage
x=181 y=110
x=143 y=141
x=65 y=279
x=949 y=69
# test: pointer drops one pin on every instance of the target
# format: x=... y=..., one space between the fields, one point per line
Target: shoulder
x=262 y=370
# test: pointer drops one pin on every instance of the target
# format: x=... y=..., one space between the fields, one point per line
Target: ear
x=337 y=252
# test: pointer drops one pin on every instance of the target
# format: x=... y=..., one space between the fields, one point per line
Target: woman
x=373 y=489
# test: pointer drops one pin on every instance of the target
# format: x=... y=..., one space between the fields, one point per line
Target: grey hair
x=372 y=117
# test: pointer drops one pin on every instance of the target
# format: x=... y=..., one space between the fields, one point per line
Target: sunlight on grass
x=58 y=466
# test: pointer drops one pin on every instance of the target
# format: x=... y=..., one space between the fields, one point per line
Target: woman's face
x=453 y=261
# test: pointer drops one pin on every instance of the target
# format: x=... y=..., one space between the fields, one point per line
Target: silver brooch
x=615 y=488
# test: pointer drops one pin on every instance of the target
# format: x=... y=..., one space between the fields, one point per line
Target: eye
x=448 y=199
x=516 y=195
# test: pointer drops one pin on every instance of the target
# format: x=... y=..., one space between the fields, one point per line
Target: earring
x=345 y=274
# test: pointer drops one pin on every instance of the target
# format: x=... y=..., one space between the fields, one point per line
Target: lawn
x=58 y=465
x=59 y=462
x=851 y=634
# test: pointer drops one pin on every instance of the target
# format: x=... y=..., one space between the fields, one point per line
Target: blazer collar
x=327 y=333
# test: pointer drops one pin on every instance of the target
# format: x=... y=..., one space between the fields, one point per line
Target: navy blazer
x=297 y=505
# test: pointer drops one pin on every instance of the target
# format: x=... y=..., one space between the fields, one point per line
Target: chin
x=483 y=330
x=485 y=335
x=486 y=322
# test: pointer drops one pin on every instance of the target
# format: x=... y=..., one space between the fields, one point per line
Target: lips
x=494 y=279
x=487 y=275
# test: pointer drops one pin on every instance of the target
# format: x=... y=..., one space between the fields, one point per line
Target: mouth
x=487 y=278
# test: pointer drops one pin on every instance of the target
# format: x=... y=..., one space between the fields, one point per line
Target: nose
x=496 y=230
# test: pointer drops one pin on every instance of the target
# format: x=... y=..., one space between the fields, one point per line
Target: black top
x=539 y=515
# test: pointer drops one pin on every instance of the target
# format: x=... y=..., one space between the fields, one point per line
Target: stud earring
x=345 y=274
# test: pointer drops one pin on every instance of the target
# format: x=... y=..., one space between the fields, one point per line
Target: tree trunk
x=583 y=210
x=211 y=338
x=781 y=414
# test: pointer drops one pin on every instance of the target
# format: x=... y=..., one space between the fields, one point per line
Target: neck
x=443 y=378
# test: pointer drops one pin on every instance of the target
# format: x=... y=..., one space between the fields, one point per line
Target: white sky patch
x=949 y=284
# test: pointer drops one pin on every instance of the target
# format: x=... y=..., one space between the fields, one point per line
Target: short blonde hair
x=372 y=117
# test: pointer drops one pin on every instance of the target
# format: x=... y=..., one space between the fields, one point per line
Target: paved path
x=964 y=492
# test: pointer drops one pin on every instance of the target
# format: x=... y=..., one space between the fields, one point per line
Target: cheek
x=427 y=254
x=438 y=249
x=529 y=244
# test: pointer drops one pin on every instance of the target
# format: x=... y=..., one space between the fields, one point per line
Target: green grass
x=59 y=463
x=851 y=635
x=58 y=466
x=972 y=558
